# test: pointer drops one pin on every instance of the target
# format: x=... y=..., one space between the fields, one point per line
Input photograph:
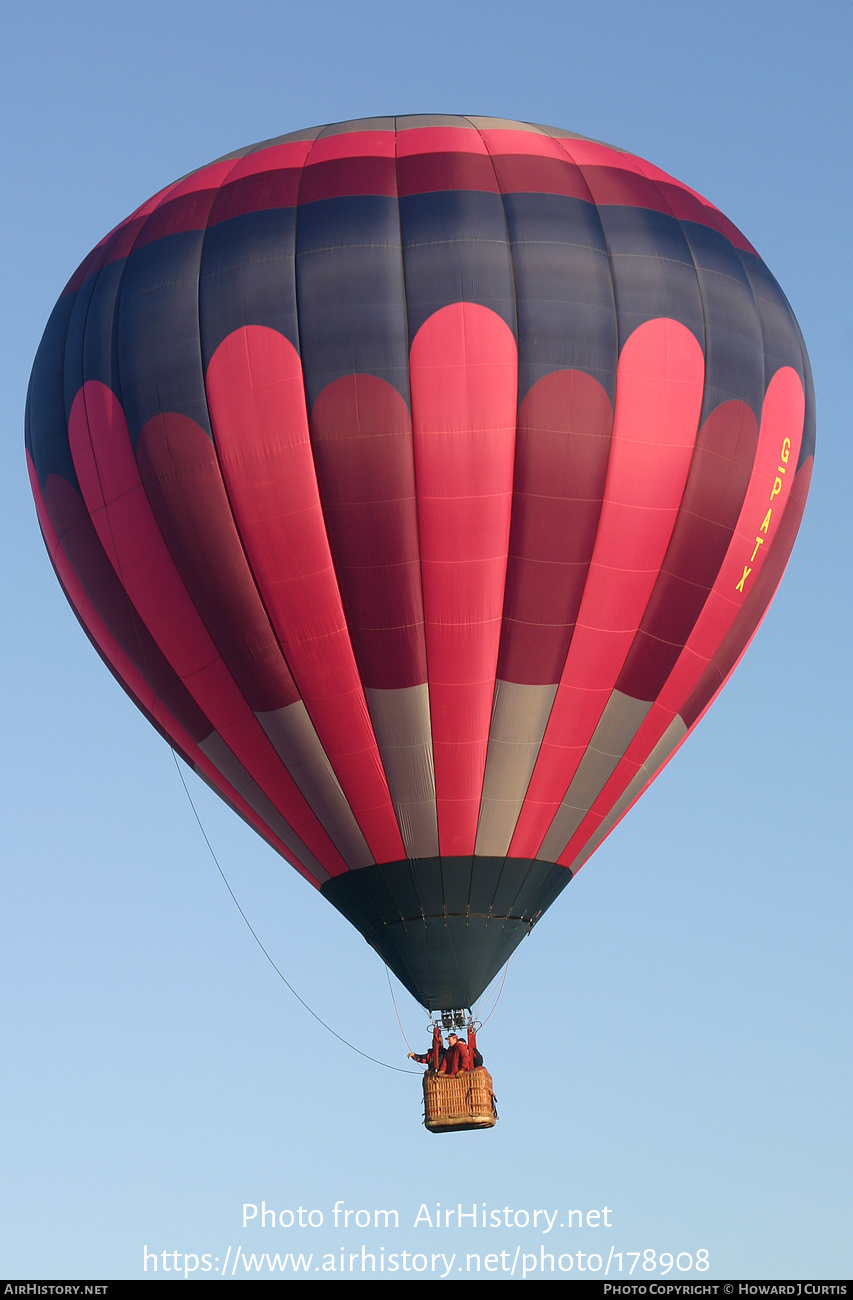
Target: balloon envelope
x=422 y=480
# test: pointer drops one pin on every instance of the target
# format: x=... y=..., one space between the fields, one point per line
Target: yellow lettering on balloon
x=764 y=528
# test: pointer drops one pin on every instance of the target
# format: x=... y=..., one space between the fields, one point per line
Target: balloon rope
x=397 y=1013
x=254 y=934
x=498 y=998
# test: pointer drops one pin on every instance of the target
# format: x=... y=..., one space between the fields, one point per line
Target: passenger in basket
x=426 y=1058
x=456 y=1058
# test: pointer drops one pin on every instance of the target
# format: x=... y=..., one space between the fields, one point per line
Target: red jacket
x=456 y=1059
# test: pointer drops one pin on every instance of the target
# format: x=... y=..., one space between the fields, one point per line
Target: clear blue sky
x=673 y=1042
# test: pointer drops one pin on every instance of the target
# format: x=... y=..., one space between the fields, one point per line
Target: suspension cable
x=255 y=936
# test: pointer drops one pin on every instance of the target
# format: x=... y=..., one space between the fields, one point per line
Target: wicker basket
x=462 y=1102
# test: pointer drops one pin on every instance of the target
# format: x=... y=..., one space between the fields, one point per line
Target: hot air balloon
x=422 y=480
